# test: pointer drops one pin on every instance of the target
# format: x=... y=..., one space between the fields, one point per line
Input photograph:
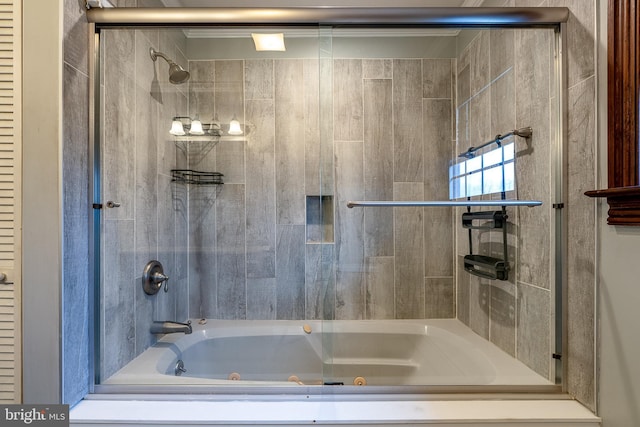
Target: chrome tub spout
x=170 y=327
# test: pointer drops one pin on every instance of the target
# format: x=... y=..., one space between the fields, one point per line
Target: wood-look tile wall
x=516 y=315
x=389 y=137
x=152 y=221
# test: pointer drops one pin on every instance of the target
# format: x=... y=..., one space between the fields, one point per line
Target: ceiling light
x=269 y=42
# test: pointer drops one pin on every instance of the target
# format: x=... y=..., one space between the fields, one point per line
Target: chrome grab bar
x=442 y=203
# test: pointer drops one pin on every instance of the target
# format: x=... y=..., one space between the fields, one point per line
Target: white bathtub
x=279 y=353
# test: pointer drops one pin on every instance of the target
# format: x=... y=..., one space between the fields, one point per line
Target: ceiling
x=222 y=33
x=308 y=3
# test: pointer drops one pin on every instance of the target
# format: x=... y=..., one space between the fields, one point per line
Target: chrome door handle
x=111 y=204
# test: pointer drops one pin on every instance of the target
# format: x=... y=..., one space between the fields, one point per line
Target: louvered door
x=10 y=106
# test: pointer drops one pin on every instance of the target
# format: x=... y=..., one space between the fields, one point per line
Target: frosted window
x=491 y=158
x=474 y=184
x=493 y=182
x=474 y=164
x=489 y=173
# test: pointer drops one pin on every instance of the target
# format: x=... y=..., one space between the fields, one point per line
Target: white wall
x=618 y=298
x=618 y=290
x=41 y=200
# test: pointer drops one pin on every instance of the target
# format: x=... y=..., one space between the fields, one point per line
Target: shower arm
x=525 y=132
x=154 y=55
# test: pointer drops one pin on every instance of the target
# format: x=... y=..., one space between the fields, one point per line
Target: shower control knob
x=111 y=204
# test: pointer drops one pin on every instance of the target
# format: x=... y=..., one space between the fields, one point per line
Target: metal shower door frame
x=471 y=17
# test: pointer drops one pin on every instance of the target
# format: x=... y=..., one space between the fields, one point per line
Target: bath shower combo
x=354 y=291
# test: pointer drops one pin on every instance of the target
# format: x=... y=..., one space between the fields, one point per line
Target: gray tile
x=229 y=91
x=409 y=253
x=230 y=161
x=203 y=261
x=202 y=240
x=290 y=272
x=166 y=251
x=350 y=292
x=146 y=179
x=379 y=303
x=407 y=125
x=480 y=118
x=581 y=213
x=580 y=38
x=289 y=133
x=377 y=69
x=76 y=42
x=502 y=50
x=76 y=281
x=261 y=190
x=463 y=83
x=503 y=316
x=119 y=46
x=118 y=299
x=503 y=104
x=118 y=165
x=347 y=100
x=75 y=149
x=145 y=314
x=261 y=299
x=479 y=301
x=317 y=168
x=325 y=113
x=534 y=314
x=534 y=247
x=440 y=301
x=533 y=77
x=230 y=250
x=258 y=79
x=438 y=241
x=229 y=103
x=479 y=62
x=145 y=67
x=462 y=292
x=378 y=170
x=319 y=282
x=349 y=231
x=167 y=152
x=203 y=295
x=438 y=226
x=462 y=142
x=436 y=78
x=202 y=91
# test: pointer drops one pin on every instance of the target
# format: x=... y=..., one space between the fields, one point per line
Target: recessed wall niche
x=319 y=219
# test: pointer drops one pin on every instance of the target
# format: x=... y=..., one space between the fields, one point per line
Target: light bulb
x=176 y=128
x=196 y=127
x=234 y=127
x=269 y=42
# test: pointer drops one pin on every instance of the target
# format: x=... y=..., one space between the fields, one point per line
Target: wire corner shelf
x=190 y=176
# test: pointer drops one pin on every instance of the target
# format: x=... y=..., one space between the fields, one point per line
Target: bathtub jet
x=170 y=327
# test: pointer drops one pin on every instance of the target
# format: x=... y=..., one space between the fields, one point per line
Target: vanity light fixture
x=177 y=128
x=234 y=127
x=196 y=127
x=183 y=125
x=268 y=42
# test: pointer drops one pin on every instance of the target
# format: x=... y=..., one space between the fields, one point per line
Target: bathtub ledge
x=502 y=413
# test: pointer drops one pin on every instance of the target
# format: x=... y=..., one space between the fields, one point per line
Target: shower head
x=177 y=74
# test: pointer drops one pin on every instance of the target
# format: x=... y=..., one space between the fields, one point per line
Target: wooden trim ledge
x=624 y=204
